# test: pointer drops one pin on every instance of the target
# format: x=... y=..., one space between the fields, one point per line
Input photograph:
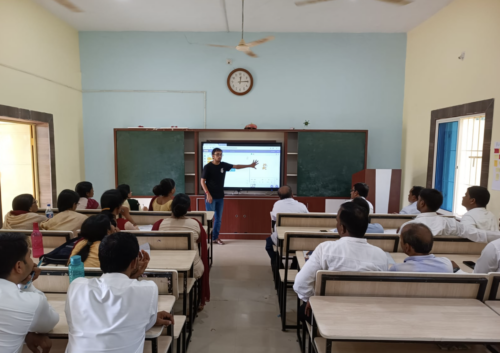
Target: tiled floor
x=242 y=315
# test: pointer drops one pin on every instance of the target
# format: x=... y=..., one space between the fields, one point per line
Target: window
x=458 y=159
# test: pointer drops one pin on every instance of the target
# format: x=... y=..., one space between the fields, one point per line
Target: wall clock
x=240 y=82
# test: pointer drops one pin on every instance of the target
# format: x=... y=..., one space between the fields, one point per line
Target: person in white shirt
x=350 y=253
x=475 y=201
x=25 y=314
x=416 y=242
x=490 y=258
x=429 y=201
x=113 y=312
x=286 y=204
x=412 y=199
x=361 y=190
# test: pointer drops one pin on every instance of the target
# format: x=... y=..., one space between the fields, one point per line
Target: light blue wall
x=336 y=81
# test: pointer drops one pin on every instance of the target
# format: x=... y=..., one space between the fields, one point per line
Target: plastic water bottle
x=76 y=268
x=36 y=242
x=48 y=212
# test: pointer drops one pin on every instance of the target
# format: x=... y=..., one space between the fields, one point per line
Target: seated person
x=85 y=190
x=475 y=200
x=179 y=222
x=286 y=204
x=23 y=312
x=93 y=231
x=164 y=192
x=350 y=253
x=489 y=261
x=112 y=313
x=23 y=213
x=416 y=242
x=111 y=203
x=372 y=227
x=67 y=218
x=131 y=204
x=429 y=202
x=412 y=199
x=361 y=190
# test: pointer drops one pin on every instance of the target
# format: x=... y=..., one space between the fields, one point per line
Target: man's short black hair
x=13 y=248
x=67 y=199
x=415 y=191
x=480 y=194
x=22 y=202
x=419 y=237
x=287 y=194
x=433 y=198
x=216 y=149
x=353 y=218
x=362 y=189
x=117 y=251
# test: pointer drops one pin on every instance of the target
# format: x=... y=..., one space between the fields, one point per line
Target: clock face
x=240 y=81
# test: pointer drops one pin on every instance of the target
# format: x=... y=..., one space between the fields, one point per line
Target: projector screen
x=267 y=174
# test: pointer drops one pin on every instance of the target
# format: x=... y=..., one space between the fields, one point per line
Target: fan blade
x=250 y=53
x=220 y=46
x=69 y=5
x=397 y=2
x=309 y=2
x=260 y=41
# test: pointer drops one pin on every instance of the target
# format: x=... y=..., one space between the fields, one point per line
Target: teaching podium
x=385 y=188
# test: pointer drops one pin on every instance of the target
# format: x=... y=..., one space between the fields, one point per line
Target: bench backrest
x=391 y=221
x=55 y=279
x=401 y=284
x=51 y=238
x=454 y=245
x=144 y=217
x=306 y=241
x=165 y=240
x=306 y=220
x=494 y=293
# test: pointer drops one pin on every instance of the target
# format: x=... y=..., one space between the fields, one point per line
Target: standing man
x=212 y=182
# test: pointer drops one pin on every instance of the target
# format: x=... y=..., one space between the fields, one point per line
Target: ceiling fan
x=69 y=5
x=394 y=2
x=242 y=45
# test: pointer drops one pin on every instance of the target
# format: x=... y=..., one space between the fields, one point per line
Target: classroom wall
x=435 y=78
x=40 y=70
x=336 y=81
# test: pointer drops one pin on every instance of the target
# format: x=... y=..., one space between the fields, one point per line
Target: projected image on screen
x=267 y=174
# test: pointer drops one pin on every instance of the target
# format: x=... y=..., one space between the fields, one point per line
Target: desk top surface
x=179 y=260
x=282 y=230
x=58 y=302
x=405 y=319
x=494 y=305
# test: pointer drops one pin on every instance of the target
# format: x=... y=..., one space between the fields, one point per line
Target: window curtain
x=446 y=162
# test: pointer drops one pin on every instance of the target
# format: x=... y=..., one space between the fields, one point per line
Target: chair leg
x=284 y=292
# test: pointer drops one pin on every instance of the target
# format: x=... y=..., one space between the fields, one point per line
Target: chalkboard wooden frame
x=249 y=132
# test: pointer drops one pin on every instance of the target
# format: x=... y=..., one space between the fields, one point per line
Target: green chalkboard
x=145 y=157
x=327 y=160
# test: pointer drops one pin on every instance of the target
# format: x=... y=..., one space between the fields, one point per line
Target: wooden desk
x=399 y=258
x=404 y=319
x=282 y=230
x=494 y=305
x=58 y=302
x=300 y=259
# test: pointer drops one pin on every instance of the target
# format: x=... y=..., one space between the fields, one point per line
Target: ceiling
x=353 y=16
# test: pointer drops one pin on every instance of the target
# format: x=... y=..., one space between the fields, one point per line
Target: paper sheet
x=146 y=248
x=495 y=168
x=146 y=228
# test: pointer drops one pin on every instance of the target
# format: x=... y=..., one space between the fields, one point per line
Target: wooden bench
x=51 y=238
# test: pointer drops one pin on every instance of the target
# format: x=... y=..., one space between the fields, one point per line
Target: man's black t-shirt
x=214 y=176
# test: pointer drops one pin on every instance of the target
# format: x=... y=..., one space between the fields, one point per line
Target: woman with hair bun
x=111 y=203
x=66 y=218
x=164 y=192
x=181 y=223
